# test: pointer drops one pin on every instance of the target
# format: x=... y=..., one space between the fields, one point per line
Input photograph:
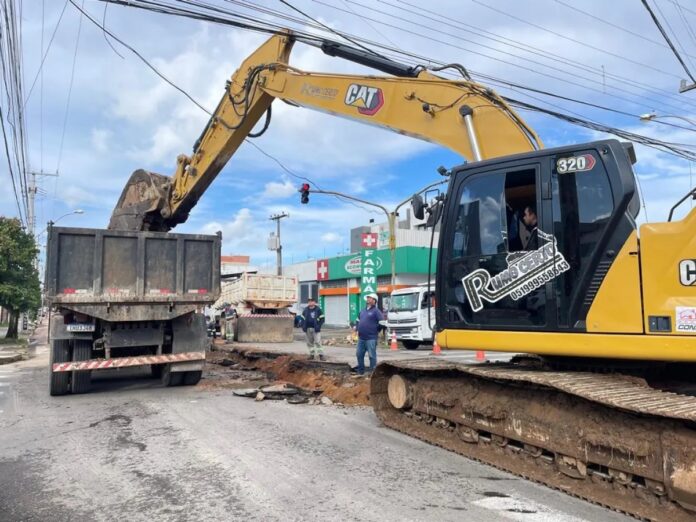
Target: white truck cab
x=408 y=315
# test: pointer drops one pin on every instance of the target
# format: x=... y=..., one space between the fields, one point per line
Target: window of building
x=307 y=290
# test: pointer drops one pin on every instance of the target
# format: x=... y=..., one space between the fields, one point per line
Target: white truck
x=255 y=308
x=408 y=315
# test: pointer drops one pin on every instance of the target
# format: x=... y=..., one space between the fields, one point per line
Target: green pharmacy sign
x=368 y=265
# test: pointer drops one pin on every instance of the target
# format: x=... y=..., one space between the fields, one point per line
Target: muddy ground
x=236 y=368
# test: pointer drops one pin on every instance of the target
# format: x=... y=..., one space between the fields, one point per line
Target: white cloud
x=331 y=237
x=101 y=139
x=275 y=190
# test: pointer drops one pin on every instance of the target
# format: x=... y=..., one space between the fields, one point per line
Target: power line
x=686 y=23
x=338 y=33
x=607 y=22
x=574 y=40
x=368 y=23
x=573 y=74
x=43 y=59
x=163 y=77
x=12 y=75
x=666 y=37
x=70 y=87
x=674 y=33
x=667 y=147
x=10 y=168
x=458 y=24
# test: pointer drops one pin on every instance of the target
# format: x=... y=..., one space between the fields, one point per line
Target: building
x=335 y=281
x=339 y=280
x=234 y=264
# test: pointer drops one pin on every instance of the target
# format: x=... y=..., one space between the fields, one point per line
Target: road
x=132 y=450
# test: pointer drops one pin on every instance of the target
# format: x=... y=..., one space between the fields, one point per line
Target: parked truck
x=255 y=308
x=127 y=299
x=408 y=316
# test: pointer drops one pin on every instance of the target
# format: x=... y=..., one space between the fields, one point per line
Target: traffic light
x=304 y=191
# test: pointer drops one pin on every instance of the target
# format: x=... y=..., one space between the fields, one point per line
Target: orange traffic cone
x=392 y=345
x=480 y=355
x=436 y=347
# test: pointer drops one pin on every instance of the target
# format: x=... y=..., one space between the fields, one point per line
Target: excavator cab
x=527 y=241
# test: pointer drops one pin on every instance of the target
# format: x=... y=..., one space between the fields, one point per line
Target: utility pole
x=279 y=246
x=31 y=196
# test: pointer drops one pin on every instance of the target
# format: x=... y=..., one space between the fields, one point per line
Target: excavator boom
x=460 y=115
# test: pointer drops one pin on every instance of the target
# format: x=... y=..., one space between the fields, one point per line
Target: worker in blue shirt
x=368 y=328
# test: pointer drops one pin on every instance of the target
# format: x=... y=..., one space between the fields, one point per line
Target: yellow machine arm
x=460 y=115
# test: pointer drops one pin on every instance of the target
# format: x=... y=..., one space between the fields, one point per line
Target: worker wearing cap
x=368 y=328
x=312 y=320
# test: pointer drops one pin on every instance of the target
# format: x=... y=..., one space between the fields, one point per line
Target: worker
x=368 y=328
x=312 y=320
x=530 y=221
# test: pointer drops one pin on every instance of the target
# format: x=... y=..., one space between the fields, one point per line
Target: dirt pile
x=237 y=368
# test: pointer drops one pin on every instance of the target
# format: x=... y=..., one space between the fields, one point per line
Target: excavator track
x=609 y=439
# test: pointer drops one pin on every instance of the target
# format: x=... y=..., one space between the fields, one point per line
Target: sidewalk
x=346 y=354
x=13 y=351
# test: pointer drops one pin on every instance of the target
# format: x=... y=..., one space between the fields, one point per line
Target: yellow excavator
x=539 y=254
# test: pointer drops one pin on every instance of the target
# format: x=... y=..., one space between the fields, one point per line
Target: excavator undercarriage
x=607 y=438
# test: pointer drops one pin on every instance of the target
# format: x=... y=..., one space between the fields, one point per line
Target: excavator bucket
x=144 y=203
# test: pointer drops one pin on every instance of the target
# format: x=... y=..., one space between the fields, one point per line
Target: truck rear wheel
x=170 y=378
x=59 y=381
x=411 y=345
x=192 y=378
x=82 y=351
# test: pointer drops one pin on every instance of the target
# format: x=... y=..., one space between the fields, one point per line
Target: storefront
x=339 y=278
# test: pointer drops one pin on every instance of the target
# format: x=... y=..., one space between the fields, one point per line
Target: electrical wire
x=70 y=88
x=48 y=48
x=13 y=120
x=302 y=36
x=574 y=40
x=246 y=98
x=338 y=33
x=573 y=75
x=500 y=39
x=667 y=39
x=674 y=33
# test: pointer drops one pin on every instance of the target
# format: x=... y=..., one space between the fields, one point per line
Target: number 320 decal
x=575 y=164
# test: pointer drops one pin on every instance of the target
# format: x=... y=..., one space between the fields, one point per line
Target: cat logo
x=367 y=99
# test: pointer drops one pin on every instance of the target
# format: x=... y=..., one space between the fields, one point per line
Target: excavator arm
x=461 y=115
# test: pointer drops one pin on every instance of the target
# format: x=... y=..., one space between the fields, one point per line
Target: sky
x=121 y=116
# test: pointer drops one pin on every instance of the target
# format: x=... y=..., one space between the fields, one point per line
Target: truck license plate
x=79 y=327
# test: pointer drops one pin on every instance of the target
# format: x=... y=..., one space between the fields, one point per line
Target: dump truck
x=255 y=308
x=127 y=299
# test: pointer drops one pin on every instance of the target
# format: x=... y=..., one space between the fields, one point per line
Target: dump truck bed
x=265 y=291
x=131 y=276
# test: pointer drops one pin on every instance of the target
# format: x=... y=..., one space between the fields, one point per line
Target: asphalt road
x=132 y=450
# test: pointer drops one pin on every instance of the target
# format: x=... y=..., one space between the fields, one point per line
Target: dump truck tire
x=192 y=378
x=170 y=378
x=59 y=382
x=82 y=351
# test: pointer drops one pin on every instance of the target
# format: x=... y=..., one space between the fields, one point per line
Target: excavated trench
x=238 y=368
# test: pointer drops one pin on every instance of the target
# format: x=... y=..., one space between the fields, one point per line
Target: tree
x=19 y=279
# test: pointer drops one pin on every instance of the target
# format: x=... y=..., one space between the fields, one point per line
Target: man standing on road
x=312 y=319
x=368 y=329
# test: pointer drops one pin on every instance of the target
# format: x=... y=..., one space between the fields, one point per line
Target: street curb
x=8 y=359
